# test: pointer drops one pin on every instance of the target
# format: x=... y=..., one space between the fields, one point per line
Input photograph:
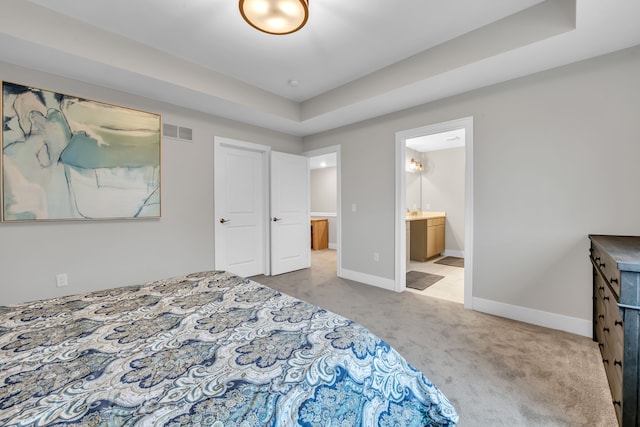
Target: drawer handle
x=617 y=362
x=601 y=288
x=602 y=265
x=618 y=323
x=613 y=280
x=605 y=298
x=596 y=259
x=605 y=361
x=605 y=329
x=617 y=402
x=600 y=316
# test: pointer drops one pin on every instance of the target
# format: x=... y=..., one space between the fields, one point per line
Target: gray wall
x=443 y=190
x=102 y=254
x=323 y=184
x=324 y=197
x=555 y=158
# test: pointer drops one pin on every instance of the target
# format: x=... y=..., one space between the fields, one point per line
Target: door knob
x=276 y=219
x=222 y=220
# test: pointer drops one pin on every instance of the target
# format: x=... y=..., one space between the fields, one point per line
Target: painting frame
x=70 y=158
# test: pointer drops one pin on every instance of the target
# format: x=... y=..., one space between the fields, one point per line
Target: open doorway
x=434 y=188
x=434 y=185
x=324 y=194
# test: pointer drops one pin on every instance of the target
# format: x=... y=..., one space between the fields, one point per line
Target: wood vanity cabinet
x=616 y=319
x=435 y=236
x=427 y=238
x=319 y=233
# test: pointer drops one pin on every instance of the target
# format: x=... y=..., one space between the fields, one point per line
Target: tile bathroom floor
x=451 y=288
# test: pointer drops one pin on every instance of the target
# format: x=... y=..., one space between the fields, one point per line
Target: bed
x=207 y=349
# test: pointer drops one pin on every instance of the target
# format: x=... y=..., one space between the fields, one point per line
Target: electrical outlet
x=376 y=257
x=62 y=280
x=353 y=207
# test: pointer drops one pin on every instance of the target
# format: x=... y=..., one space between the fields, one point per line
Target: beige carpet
x=495 y=371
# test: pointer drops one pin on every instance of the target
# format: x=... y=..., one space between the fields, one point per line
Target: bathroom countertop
x=424 y=215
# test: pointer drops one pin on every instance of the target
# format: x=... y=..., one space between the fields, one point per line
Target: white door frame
x=319 y=152
x=265 y=152
x=401 y=249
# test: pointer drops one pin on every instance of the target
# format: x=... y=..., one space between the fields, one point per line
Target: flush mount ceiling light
x=275 y=16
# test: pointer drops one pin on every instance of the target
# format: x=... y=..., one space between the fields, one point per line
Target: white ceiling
x=354 y=60
x=343 y=40
x=437 y=141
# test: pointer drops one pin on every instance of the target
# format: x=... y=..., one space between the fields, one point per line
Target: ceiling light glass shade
x=275 y=16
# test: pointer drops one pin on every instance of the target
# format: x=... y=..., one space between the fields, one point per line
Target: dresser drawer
x=614 y=328
x=608 y=267
x=599 y=326
x=613 y=333
x=613 y=353
x=599 y=284
x=599 y=313
x=607 y=305
x=614 y=374
x=616 y=393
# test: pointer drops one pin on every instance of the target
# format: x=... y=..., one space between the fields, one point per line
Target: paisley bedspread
x=208 y=349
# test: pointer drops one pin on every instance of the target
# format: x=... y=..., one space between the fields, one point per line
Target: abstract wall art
x=70 y=158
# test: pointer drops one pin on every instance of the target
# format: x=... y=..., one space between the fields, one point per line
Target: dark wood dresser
x=616 y=319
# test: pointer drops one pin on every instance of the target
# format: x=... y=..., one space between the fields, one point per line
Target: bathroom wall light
x=416 y=166
x=275 y=16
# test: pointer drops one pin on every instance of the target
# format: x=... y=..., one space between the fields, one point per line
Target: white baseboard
x=333 y=246
x=451 y=252
x=536 y=317
x=369 y=279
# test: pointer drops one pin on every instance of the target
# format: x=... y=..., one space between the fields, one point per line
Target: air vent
x=170 y=131
x=177 y=132
x=185 y=133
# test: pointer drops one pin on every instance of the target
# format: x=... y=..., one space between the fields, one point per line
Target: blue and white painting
x=66 y=158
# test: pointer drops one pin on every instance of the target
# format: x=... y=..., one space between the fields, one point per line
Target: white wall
x=412 y=182
x=102 y=254
x=443 y=191
x=323 y=182
x=555 y=158
x=324 y=186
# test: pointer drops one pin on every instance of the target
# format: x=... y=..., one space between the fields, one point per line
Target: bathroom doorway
x=434 y=167
x=434 y=186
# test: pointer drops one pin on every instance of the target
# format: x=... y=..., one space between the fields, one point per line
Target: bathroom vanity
x=425 y=235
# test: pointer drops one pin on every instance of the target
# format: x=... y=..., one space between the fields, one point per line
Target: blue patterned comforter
x=208 y=349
